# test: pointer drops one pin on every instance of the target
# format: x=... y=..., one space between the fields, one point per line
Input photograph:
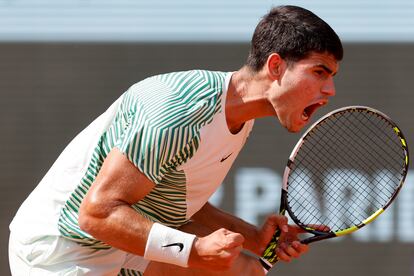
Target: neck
x=246 y=98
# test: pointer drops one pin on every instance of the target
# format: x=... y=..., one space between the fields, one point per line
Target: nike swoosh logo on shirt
x=179 y=244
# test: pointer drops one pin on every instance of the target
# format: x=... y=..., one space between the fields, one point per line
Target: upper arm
x=119 y=182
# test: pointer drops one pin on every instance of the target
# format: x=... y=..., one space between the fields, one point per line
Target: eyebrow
x=326 y=68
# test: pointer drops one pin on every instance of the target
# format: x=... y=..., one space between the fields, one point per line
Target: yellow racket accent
x=396 y=130
x=365 y=222
x=403 y=142
x=309 y=229
x=346 y=231
x=373 y=216
x=270 y=254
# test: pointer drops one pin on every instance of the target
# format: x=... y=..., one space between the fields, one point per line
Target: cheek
x=298 y=83
x=307 y=90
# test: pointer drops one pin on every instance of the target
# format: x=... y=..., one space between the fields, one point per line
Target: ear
x=274 y=66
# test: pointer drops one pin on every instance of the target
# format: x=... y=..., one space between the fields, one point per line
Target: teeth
x=305 y=116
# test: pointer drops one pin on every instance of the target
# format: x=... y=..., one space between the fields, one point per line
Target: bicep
x=118 y=182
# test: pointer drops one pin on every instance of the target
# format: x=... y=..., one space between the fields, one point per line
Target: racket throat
x=318 y=238
x=284 y=202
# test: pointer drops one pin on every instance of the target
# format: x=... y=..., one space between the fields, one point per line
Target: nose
x=328 y=87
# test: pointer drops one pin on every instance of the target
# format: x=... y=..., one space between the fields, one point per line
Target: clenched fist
x=216 y=251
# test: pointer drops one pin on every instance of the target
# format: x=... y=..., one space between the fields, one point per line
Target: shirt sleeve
x=146 y=147
x=163 y=122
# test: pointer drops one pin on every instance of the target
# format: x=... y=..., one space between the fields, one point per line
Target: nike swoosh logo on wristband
x=224 y=158
x=179 y=244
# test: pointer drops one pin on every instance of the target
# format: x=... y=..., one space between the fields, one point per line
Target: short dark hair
x=292 y=32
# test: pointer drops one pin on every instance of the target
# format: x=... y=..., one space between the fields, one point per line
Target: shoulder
x=179 y=98
x=179 y=84
x=193 y=82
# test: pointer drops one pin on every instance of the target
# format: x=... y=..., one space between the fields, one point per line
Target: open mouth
x=307 y=113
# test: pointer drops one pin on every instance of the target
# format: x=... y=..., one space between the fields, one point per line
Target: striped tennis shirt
x=172 y=127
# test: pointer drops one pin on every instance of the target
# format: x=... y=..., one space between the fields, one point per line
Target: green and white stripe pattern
x=157 y=127
x=129 y=272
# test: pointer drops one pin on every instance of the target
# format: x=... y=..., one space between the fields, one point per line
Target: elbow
x=84 y=223
x=92 y=216
x=85 y=220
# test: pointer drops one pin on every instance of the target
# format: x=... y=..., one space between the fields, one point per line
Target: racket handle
x=269 y=257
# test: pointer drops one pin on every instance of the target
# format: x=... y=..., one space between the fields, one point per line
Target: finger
x=232 y=253
x=317 y=227
x=232 y=236
x=300 y=247
x=296 y=229
x=233 y=240
x=320 y=227
x=282 y=255
x=277 y=222
x=282 y=246
x=235 y=251
x=292 y=251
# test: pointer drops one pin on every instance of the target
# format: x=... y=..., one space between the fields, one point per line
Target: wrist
x=253 y=242
x=168 y=245
x=194 y=257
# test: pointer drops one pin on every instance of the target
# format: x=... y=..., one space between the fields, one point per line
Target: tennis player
x=130 y=193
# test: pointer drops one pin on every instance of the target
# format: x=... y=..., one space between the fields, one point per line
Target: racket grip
x=269 y=257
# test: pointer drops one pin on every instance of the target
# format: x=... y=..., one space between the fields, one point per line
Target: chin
x=296 y=127
x=293 y=128
x=291 y=125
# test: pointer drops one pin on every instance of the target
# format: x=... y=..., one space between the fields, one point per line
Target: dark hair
x=292 y=32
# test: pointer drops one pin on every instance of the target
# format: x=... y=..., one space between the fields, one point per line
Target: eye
x=319 y=72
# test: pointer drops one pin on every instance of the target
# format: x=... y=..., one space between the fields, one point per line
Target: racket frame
x=269 y=258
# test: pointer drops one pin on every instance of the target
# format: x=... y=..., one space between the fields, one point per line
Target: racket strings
x=309 y=202
x=342 y=175
x=378 y=142
x=382 y=127
x=392 y=152
x=362 y=144
x=339 y=141
x=348 y=167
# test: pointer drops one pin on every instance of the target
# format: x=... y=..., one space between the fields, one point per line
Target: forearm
x=106 y=214
x=214 y=219
x=118 y=225
x=106 y=211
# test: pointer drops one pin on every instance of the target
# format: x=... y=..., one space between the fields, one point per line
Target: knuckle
x=283 y=246
x=221 y=230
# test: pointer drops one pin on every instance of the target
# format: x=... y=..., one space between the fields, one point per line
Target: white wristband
x=168 y=245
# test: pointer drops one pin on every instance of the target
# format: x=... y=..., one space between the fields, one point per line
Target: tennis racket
x=345 y=170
